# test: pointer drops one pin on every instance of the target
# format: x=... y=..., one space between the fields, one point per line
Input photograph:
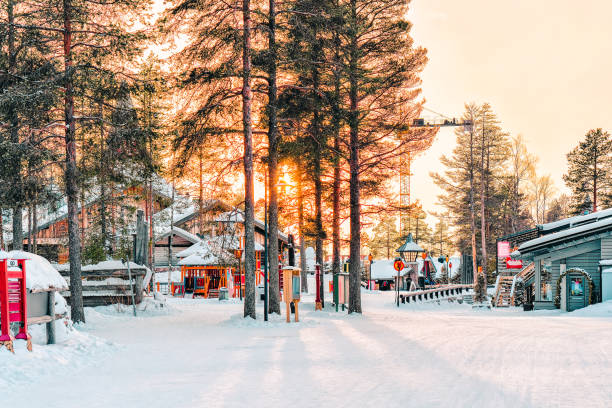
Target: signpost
x=398 y=265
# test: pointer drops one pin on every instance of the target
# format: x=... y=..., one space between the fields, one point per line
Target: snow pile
x=40 y=274
x=76 y=352
x=597 y=310
x=149 y=307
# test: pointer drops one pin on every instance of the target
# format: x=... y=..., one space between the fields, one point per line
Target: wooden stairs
x=504 y=291
x=504 y=296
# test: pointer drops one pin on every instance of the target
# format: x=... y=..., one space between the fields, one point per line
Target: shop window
x=546 y=284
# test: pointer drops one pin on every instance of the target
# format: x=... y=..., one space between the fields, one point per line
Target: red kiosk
x=13 y=302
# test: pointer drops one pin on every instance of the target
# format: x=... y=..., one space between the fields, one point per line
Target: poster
x=503 y=249
x=577 y=287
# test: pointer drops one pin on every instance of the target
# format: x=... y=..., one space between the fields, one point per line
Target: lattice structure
x=405 y=175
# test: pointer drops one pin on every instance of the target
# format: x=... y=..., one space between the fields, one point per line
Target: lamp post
x=409 y=252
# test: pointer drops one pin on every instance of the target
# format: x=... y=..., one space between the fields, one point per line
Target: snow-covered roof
x=40 y=274
x=181 y=233
x=577 y=220
x=191 y=250
x=237 y=216
x=606 y=262
x=203 y=258
x=226 y=242
x=111 y=266
x=410 y=246
x=605 y=224
x=231 y=216
x=50 y=214
x=183 y=208
x=384 y=270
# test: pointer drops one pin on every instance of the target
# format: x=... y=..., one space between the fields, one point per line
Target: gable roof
x=575 y=221
x=584 y=232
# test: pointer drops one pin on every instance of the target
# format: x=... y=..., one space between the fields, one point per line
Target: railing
x=497 y=287
x=437 y=293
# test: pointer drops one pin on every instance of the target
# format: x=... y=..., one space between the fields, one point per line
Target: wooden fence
x=106 y=287
x=441 y=292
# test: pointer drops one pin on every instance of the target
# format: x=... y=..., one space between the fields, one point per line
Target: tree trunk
x=2 y=247
x=273 y=141
x=249 y=188
x=201 y=191
x=71 y=176
x=14 y=131
x=595 y=187
x=106 y=242
x=355 y=211
x=318 y=184
x=472 y=210
x=34 y=229
x=300 y=193
x=29 y=246
x=483 y=222
x=336 y=120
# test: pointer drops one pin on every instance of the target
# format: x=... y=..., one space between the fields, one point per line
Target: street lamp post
x=409 y=252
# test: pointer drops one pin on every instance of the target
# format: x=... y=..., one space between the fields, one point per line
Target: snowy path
x=204 y=355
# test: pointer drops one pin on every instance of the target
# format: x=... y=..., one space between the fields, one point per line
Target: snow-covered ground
x=201 y=353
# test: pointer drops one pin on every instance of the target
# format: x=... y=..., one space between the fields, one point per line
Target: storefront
x=567 y=261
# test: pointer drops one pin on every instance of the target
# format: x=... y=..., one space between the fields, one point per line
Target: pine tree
x=382 y=67
x=589 y=171
x=385 y=238
x=475 y=183
x=86 y=31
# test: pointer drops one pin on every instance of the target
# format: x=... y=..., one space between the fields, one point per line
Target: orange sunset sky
x=543 y=65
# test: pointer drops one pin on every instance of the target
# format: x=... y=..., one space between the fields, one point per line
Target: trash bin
x=223 y=293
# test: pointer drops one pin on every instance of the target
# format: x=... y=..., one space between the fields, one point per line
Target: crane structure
x=405 y=170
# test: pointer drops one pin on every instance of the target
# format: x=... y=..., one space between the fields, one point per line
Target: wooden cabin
x=224 y=228
x=52 y=230
x=568 y=257
x=214 y=263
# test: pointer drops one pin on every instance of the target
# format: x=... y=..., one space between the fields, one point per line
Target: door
x=576 y=286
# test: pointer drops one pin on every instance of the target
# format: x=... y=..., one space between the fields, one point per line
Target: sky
x=543 y=65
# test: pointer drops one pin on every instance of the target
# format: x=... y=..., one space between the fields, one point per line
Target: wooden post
x=138 y=289
x=297 y=316
x=288 y=312
x=51 y=312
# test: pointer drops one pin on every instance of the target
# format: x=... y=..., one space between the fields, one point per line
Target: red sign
x=513 y=263
x=398 y=265
x=503 y=249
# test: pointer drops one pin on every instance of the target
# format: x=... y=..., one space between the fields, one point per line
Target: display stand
x=13 y=302
x=291 y=290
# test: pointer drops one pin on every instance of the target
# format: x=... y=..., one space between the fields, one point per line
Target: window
x=546 y=281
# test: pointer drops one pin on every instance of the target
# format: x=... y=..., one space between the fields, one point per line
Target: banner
x=503 y=249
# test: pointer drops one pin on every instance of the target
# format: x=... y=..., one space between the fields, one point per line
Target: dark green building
x=568 y=257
